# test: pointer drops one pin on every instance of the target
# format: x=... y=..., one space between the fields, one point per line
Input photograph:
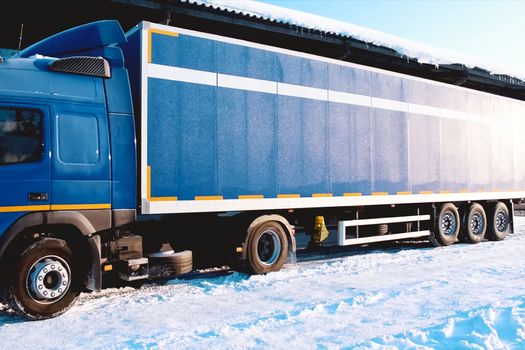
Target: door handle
x=37 y=196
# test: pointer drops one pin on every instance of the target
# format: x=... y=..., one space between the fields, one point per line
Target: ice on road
x=462 y=296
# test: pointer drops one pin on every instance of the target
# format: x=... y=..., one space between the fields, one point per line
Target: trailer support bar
x=343 y=241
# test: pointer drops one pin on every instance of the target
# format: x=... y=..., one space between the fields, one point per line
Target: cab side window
x=21 y=133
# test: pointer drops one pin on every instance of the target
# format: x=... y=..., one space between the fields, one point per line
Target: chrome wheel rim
x=477 y=224
x=448 y=223
x=501 y=221
x=48 y=279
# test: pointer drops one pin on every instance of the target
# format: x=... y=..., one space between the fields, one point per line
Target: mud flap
x=292 y=252
x=94 y=275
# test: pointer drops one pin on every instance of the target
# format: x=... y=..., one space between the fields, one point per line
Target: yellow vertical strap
x=157 y=31
x=148 y=182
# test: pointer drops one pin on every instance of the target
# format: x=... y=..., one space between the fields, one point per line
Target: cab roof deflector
x=82 y=38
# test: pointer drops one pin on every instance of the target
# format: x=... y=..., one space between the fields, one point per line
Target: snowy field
x=397 y=296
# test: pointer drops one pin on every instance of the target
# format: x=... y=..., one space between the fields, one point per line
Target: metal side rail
x=343 y=241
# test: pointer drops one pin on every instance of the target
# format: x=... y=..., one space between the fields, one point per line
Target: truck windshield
x=20 y=135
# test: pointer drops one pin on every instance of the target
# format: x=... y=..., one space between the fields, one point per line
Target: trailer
x=129 y=155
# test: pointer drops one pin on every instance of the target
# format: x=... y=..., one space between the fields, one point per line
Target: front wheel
x=267 y=248
x=43 y=283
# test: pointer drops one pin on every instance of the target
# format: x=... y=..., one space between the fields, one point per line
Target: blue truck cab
x=67 y=139
x=134 y=155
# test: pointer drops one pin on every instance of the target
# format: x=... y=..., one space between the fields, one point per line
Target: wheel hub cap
x=448 y=224
x=476 y=224
x=269 y=247
x=49 y=278
x=501 y=221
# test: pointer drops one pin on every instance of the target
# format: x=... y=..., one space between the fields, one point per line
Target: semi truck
x=126 y=155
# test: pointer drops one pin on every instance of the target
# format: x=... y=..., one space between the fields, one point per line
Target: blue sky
x=491 y=30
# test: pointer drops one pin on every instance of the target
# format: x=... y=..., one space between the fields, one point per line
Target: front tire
x=267 y=248
x=44 y=282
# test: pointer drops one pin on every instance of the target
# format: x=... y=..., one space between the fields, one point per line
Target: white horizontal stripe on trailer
x=302 y=91
x=182 y=74
x=424 y=110
x=271 y=87
x=391 y=105
x=193 y=206
x=348 y=98
x=249 y=84
x=453 y=114
x=392 y=237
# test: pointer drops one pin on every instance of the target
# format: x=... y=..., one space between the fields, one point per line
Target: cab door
x=80 y=171
x=24 y=160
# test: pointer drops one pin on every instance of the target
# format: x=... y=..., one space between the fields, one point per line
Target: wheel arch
x=72 y=226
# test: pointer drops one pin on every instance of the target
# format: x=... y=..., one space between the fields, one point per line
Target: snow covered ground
x=399 y=296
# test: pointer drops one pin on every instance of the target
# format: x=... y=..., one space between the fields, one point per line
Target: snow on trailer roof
x=404 y=47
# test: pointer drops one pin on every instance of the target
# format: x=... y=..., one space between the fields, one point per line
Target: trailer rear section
x=251 y=130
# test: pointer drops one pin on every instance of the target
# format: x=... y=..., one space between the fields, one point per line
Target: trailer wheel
x=44 y=281
x=475 y=224
x=448 y=224
x=267 y=248
x=499 y=222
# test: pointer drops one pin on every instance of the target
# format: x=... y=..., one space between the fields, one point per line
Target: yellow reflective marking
x=464 y=190
x=207 y=198
x=148 y=182
x=352 y=194
x=160 y=199
x=379 y=193
x=289 y=195
x=157 y=31
x=446 y=192
x=426 y=192
x=148 y=189
x=15 y=208
x=80 y=206
x=322 y=195
x=251 y=196
x=403 y=193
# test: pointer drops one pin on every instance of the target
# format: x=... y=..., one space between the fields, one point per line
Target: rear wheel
x=447 y=225
x=499 y=222
x=267 y=248
x=475 y=224
x=44 y=282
